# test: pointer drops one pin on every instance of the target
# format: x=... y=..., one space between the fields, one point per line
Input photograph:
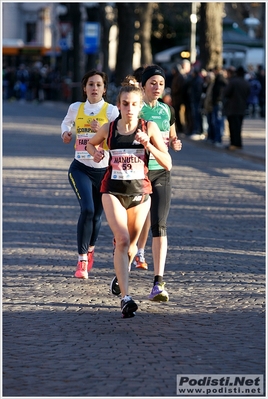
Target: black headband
x=151 y=71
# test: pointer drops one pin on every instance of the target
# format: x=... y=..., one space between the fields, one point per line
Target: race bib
x=81 y=144
x=127 y=164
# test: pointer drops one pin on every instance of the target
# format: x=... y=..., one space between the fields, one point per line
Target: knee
x=122 y=241
x=87 y=212
x=159 y=230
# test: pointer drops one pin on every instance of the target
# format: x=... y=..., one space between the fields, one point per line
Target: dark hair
x=240 y=71
x=88 y=75
x=150 y=71
x=138 y=73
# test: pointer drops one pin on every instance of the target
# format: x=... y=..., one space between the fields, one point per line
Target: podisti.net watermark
x=219 y=384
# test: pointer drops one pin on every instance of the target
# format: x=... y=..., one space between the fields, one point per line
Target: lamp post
x=193 y=19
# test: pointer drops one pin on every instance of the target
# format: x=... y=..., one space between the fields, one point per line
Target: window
x=30 y=32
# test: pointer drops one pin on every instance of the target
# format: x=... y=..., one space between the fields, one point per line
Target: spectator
x=186 y=98
x=220 y=83
x=180 y=95
x=253 y=98
x=235 y=97
x=35 y=85
x=177 y=87
x=195 y=92
x=262 y=99
x=21 y=85
x=208 y=106
x=10 y=80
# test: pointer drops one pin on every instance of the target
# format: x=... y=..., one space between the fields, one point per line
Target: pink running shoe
x=90 y=259
x=81 y=271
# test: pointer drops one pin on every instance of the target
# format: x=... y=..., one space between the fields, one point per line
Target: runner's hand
x=98 y=156
x=176 y=144
x=67 y=137
x=95 y=125
x=142 y=138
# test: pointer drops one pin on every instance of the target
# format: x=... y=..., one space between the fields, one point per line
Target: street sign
x=91 y=37
x=66 y=36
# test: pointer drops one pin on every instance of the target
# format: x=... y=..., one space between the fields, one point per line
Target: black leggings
x=235 y=127
x=85 y=182
x=160 y=201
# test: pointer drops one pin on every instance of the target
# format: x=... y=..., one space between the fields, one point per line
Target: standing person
x=126 y=187
x=177 y=95
x=253 y=98
x=85 y=174
x=195 y=93
x=262 y=96
x=153 y=84
x=186 y=73
x=235 y=103
x=208 y=107
x=220 y=83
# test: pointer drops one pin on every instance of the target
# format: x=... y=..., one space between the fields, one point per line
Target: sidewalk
x=253 y=136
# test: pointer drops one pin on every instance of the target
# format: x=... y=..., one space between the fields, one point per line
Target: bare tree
x=210 y=38
x=75 y=66
x=106 y=20
x=126 y=23
x=145 y=13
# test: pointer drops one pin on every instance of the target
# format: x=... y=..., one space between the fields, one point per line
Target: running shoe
x=114 y=287
x=90 y=260
x=159 y=293
x=139 y=262
x=128 y=307
x=81 y=271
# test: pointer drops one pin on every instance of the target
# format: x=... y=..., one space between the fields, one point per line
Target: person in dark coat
x=180 y=96
x=262 y=95
x=235 y=97
x=177 y=95
x=220 y=83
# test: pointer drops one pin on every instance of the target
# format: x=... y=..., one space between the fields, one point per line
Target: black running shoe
x=114 y=287
x=128 y=307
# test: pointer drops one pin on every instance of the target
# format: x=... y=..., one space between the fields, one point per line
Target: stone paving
x=63 y=337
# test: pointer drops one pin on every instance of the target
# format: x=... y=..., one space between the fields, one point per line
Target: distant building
x=30 y=32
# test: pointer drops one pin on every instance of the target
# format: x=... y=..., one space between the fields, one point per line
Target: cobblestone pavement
x=65 y=337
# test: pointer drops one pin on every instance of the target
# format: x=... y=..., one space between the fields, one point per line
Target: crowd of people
x=203 y=100
x=35 y=83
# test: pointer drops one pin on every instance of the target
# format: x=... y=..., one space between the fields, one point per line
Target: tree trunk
x=105 y=30
x=124 y=58
x=145 y=14
x=210 y=37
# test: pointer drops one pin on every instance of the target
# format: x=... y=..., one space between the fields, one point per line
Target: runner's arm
x=96 y=140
